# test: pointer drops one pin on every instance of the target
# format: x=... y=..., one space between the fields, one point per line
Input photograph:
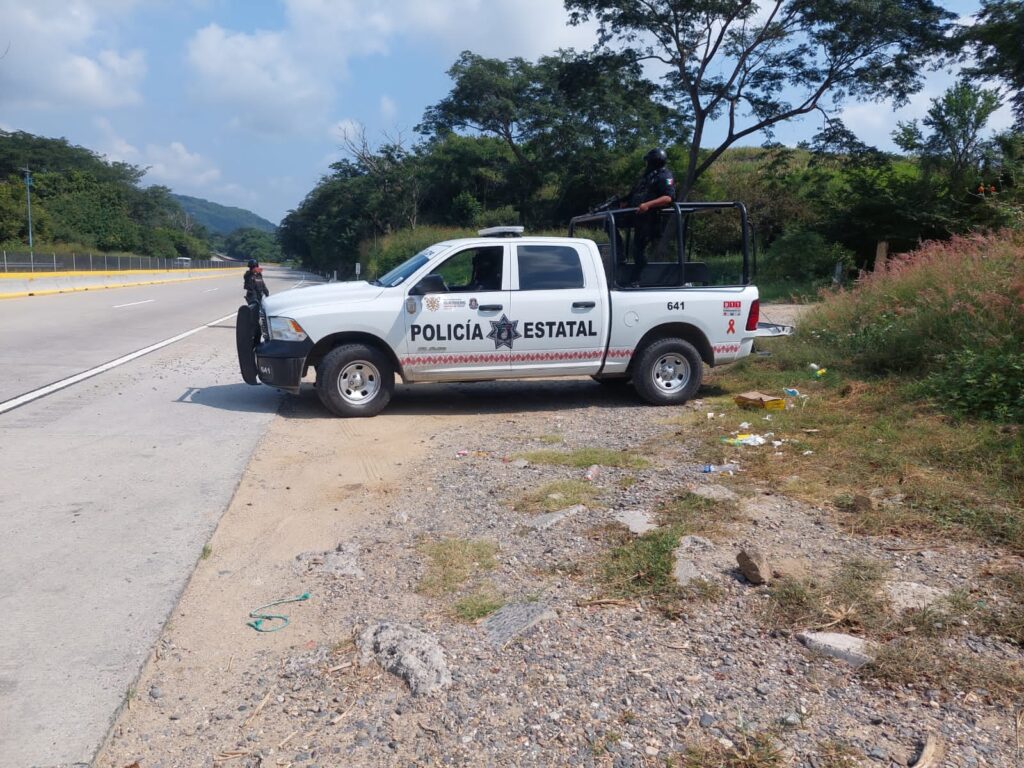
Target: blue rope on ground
x=258 y=617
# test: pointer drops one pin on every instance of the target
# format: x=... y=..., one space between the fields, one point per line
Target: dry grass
x=557 y=495
x=585 y=457
x=916 y=662
x=849 y=599
x=932 y=474
x=757 y=751
x=837 y=754
x=452 y=561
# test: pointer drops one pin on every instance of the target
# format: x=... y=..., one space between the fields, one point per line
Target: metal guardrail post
x=32 y=260
x=54 y=254
x=5 y=261
x=72 y=261
x=90 y=262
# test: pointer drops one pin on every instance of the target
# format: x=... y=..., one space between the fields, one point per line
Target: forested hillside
x=222 y=219
x=82 y=201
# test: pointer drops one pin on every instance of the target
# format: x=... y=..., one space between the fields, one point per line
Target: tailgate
x=772 y=329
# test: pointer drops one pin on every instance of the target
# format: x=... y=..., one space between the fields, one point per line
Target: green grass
x=450 y=562
x=698 y=515
x=557 y=495
x=585 y=457
x=643 y=566
x=207 y=551
x=478 y=604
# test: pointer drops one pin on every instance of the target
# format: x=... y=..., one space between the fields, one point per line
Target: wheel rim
x=671 y=372
x=359 y=382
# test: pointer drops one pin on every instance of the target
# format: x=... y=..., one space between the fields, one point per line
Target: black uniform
x=646 y=226
x=255 y=288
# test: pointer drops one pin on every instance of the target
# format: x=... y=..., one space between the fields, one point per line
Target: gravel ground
x=618 y=683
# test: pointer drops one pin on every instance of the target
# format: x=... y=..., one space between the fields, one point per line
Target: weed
x=848 y=599
x=479 y=604
x=836 y=754
x=452 y=561
x=642 y=566
x=551 y=439
x=585 y=457
x=757 y=751
x=912 y=661
x=557 y=495
x=207 y=551
x=697 y=514
x=627 y=482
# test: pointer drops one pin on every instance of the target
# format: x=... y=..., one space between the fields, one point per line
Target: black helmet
x=656 y=159
x=252 y=263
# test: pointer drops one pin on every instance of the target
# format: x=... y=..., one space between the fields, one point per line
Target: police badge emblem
x=473 y=304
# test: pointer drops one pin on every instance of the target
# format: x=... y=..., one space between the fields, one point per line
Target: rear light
x=754 y=316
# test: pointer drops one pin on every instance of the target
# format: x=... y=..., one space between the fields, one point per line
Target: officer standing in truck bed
x=656 y=189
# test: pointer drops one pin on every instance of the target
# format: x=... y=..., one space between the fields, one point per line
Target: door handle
x=584 y=304
x=490 y=307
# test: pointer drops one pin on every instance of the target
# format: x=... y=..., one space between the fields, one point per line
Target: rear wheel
x=355 y=380
x=668 y=372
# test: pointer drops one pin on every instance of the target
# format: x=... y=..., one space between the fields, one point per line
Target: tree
x=955 y=144
x=756 y=65
x=997 y=39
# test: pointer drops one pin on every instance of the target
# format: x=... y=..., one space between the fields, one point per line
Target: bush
x=804 y=255
x=391 y=250
x=498 y=217
x=951 y=313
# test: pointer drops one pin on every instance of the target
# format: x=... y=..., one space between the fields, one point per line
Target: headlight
x=286 y=329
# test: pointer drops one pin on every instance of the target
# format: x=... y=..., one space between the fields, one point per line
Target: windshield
x=398 y=275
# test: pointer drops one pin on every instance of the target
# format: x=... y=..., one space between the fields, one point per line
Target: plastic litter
x=708 y=469
x=744 y=440
x=745 y=425
x=791 y=392
x=808 y=453
x=462 y=453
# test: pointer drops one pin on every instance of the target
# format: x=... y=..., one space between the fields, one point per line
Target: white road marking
x=132 y=304
x=210 y=290
x=28 y=397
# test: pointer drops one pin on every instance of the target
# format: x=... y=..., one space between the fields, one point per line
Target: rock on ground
x=548 y=519
x=685 y=570
x=754 y=565
x=513 y=620
x=636 y=520
x=911 y=596
x=408 y=653
x=853 y=650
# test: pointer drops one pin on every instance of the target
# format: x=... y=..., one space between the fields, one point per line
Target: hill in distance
x=222 y=219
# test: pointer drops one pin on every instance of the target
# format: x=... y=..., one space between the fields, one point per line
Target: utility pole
x=28 y=197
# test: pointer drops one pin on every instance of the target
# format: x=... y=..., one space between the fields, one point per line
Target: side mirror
x=430 y=284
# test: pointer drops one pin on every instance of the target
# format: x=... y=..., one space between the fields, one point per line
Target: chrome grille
x=264 y=328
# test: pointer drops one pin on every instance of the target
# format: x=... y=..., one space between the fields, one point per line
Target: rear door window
x=549 y=268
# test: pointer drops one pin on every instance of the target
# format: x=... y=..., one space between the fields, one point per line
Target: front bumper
x=280 y=363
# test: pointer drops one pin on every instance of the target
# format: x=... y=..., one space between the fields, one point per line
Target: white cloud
x=283 y=81
x=55 y=59
x=345 y=129
x=170 y=164
x=388 y=108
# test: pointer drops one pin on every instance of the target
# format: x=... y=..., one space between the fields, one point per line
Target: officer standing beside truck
x=252 y=282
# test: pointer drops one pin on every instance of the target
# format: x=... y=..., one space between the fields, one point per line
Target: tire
x=355 y=380
x=668 y=372
x=246 y=335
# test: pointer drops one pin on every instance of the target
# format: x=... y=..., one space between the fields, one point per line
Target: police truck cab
x=504 y=305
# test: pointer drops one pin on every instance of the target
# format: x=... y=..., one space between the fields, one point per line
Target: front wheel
x=355 y=380
x=668 y=372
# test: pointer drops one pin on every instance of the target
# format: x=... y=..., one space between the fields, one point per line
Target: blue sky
x=244 y=103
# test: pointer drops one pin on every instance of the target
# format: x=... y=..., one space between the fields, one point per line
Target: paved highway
x=111 y=487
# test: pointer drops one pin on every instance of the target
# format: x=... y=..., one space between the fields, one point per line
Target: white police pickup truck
x=503 y=305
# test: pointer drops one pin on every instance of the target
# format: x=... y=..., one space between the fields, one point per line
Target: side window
x=475 y=269
x=549 y=267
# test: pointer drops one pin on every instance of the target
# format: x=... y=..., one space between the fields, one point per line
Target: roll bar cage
x=677 y=210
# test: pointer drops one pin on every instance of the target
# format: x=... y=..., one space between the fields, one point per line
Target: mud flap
x=246 y=333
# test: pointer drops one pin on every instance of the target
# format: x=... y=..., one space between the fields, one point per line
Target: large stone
x=636 y=520
x=714 y=492
x=408 y=653
x=853 y=650
x=754 y=565
x=340 y=562
x=911 y=596
x=548 y=519
x=515 y=619
x=685 y=569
